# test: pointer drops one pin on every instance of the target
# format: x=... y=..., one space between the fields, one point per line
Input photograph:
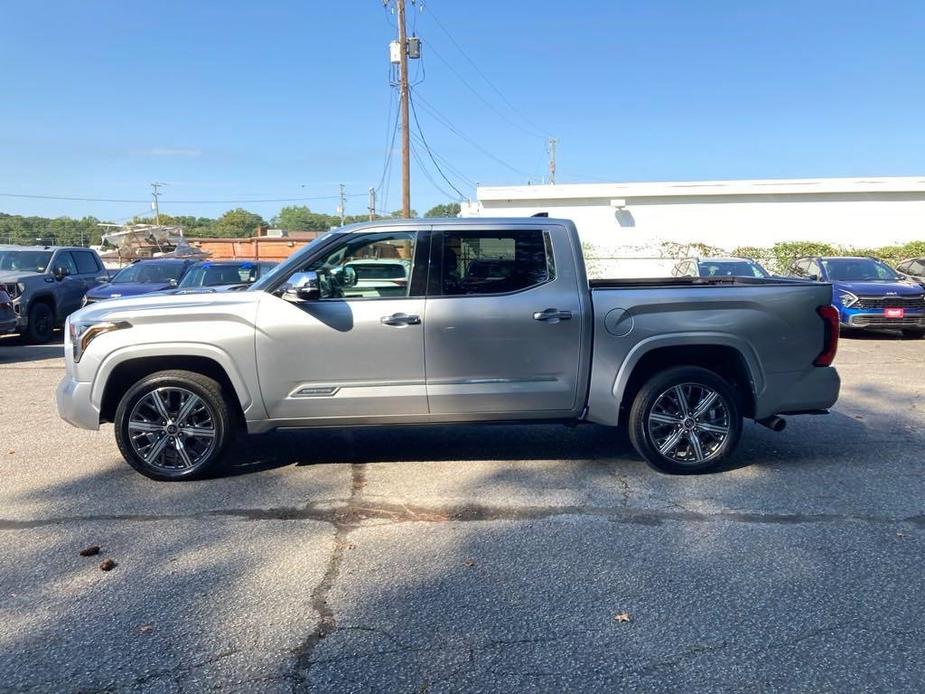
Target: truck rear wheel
x=174 y=425
x=685 y=420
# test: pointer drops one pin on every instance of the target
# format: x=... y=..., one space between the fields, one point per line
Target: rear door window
x=495 y=262
x=86 y=262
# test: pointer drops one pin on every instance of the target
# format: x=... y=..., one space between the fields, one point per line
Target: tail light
x=829 y=315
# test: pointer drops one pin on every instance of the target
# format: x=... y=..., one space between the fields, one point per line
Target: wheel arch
x=43 y=297
x=122 y=369
x=726 y=355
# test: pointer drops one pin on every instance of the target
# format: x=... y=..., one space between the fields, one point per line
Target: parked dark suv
x=46 y=284
x=868 y=293
x=914 y=269
x=143 y=277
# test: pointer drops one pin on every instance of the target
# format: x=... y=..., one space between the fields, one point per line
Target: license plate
x=894 y=312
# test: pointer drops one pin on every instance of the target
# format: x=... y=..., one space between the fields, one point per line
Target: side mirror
x=814 y=278
x=302 y=286
x=172 y=282
x=103 y=279
x=60 y=272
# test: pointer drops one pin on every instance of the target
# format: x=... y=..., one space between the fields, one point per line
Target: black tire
x=41 y=323
x=914 y=333
x=684 y=457
x=169 y=465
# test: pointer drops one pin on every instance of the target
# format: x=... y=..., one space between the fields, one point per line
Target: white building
x=635 y=219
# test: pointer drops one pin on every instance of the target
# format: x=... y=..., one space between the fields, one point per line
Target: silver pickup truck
x=475 y=320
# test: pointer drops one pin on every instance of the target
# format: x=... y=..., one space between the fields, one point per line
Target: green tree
x=41 y=230
x=237 y=223
x=450 y=209
x=297 y=218
x=397 y=213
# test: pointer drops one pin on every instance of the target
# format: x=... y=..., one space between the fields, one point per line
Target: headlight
x=82 y=333
x=847 y=299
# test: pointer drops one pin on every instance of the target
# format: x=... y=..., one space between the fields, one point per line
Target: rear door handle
x=399 y=319
x=552 y=314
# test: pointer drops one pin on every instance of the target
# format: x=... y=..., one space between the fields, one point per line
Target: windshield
x=732 y=268
x=380 y=271
x=147 y=272
x=211 y=275
x=28 y=261
x=859 y=270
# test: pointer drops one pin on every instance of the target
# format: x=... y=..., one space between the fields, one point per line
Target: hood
x=159 y=305
x=11 y=276
x=205 y=290
x=115 y=290
x=898 y=288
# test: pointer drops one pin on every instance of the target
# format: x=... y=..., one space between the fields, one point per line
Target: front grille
x=12 y=289
x=907 y=302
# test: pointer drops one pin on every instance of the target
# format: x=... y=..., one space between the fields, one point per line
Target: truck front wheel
x=41 y=323
x=685 y=420
x=174 y=425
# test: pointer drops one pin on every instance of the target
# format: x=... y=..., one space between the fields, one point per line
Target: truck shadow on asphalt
x=808 y=438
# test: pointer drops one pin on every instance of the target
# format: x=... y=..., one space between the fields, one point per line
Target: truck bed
x=627 y=283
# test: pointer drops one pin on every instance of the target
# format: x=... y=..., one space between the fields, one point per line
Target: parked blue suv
x=868 y=293
x=142 y=277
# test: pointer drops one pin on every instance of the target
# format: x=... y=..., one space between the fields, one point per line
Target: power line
x=172 y=202
x=434 y=183
x=447 y=164
x=390 y=134
x=443 y=120
x=417 y=124
x=478 y=94
x=537 y=129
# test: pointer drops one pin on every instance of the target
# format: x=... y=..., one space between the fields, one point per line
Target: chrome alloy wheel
x=172 y=428
x=689 y=423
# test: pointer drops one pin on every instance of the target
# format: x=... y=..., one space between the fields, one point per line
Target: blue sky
x=236 y=101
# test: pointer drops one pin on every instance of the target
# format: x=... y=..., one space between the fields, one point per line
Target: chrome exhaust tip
x=774 y=423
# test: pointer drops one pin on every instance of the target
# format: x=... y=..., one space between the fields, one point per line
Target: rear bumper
x=799 y=391
x=74 y=404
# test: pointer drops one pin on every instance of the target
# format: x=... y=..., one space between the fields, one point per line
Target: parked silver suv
x=46 y=284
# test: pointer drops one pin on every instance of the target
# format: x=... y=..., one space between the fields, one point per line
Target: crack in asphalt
x=356 y=511
x=327 y=621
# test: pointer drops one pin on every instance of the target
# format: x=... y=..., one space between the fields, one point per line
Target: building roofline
x=793 y=186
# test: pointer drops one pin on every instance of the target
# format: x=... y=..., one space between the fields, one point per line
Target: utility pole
x=551 y=150
x=372 y=203
x=403 y=101
x=157 y=208
x=343 y=204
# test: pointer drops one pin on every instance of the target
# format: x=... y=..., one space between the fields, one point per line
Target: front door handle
x=552 y=314
x=399 y=319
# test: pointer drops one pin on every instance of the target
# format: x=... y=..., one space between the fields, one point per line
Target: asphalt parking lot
x=538 y=558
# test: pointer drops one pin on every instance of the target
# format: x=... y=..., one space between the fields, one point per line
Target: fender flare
x=699 y=339
x=42 y=295
x=173 y=349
